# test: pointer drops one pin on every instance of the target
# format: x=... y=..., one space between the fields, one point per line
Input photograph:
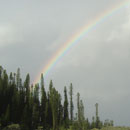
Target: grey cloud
x=98 y=65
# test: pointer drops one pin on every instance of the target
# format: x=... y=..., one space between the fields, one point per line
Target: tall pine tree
x=43 y=103
x=71 y=103
x=66 y=114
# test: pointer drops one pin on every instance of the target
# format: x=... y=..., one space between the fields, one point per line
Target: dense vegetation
x=29 y=107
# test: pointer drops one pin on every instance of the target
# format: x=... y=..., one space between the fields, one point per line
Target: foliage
x=12 y=127
x=30 y=107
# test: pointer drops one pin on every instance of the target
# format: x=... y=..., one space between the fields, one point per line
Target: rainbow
x=78 y=36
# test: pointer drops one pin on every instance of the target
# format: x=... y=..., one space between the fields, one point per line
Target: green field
x=16 y=127
x=114 y=128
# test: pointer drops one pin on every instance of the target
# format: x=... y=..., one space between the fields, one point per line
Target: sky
x=31 y=32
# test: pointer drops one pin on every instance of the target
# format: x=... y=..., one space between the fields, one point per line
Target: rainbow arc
x=78 y=36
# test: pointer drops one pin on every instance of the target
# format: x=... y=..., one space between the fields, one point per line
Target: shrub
x=12 y=127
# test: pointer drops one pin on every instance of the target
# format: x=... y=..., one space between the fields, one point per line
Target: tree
x=27 y=89
x=97 y=123
x=18 y=79
x=43 y=103
x=35 y=116
x=54 y=97
x=60 y=111
x=78 y=106
x=71 y=103
x=7 y=115
x=1 y=70
x=48 y=113
x=93 y=125
x=66 y=114
x=36 y=107
x=27 y=111
x=28 y=107
x=25 y=119
x=82 y=111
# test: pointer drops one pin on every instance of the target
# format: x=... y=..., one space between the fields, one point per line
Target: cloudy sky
x=31 y=32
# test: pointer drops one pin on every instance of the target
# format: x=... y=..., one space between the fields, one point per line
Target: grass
x=114 y=128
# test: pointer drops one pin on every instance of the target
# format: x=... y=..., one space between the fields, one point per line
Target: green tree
x=93 y=124
x=7 y=115
x=54 y=105
x=27 y=89
x=18 y=79
x=26 y=120
x=43 y=103
x=71 y=103
x=78 y=106
x=35 y=107
x=60 y=111
x=66 y=114
x=48 y=113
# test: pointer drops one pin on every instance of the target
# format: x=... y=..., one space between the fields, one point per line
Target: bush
x=95 y=129
x=12 y=127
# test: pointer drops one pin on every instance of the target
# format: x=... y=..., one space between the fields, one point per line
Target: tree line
x=32 y=107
